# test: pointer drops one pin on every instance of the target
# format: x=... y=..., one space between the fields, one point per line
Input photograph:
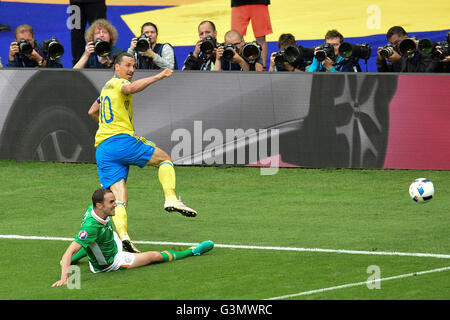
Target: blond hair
x=24 y=28
x=101 y=23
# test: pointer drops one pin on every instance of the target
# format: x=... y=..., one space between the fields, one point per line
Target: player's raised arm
x=94 y=111
x=66 y=259
x=141 y=84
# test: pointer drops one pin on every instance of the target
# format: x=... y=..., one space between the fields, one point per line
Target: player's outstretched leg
x=166 y=176
x=146 y=258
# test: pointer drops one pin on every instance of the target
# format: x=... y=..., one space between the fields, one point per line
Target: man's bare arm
x=66 y=260
x=94 y=111
x=141 y=84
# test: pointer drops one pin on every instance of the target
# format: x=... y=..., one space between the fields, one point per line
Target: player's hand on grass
x=60 y=283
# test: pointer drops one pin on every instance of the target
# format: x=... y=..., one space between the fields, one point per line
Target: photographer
x=90 y=10
x=333 y=62
x=412 y=60
x=439 y=52
x=152 y=55
x=229 y=56
x=446 y=61
x=287 y=42
x=203 y=59
x=26 y=52
x=100 y=49
x=389 y=56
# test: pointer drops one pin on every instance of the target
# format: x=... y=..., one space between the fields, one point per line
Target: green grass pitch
x=357 y=210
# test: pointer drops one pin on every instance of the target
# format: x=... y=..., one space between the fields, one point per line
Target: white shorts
x=121 y=260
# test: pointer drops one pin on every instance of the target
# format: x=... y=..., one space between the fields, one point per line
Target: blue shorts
x=116 y=154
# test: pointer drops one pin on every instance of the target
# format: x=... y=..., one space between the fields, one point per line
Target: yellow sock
x=166 y=175
x=120 y=221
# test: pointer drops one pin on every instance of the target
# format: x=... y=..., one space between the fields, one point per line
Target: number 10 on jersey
x=106 y=113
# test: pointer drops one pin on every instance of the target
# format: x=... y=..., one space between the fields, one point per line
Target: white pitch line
x=14 y=236
x=382 y=253
x=358 y=284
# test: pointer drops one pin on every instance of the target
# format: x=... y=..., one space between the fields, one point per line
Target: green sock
x=77 y=256
x=169 y=255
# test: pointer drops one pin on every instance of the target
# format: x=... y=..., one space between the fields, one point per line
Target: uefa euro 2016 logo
x=82 y=235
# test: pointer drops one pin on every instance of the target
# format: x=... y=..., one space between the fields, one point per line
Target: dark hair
x=286 y=39
x=149 y=24
x=210 y=22
x=334 y=34
x=99 y=196
x=117 y=58
x=396 y=30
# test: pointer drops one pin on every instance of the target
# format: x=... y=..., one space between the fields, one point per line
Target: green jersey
x=97 y=238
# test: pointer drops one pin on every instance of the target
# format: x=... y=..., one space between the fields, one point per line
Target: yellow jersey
x=116 y=111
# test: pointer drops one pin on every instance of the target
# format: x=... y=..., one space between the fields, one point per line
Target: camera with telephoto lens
x=53 y=48
x=280 y=58
x=408 y=46
x=102 y=48
x=427 y=46
x=442 y=53
x=228 y=51
x=355 y=51
x=143 y=43
x=288 y=55
x=325 y=50
x=251 y=51
x=25 y=46
x=208 y=45
x=387 y=51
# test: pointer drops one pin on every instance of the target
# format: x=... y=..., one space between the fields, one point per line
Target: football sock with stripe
x=120 y=221
x=169 y=255
x=166 y=175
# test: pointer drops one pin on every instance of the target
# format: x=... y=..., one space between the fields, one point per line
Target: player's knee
x=120 y=191
x=154 y=257
x=163 y=157
x=159 y=156
x=157 y=256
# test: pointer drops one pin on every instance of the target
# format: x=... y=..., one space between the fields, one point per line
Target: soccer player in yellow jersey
x=118 y=146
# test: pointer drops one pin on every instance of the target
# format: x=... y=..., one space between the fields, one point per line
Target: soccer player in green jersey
x=104 y=248
x=118 y=145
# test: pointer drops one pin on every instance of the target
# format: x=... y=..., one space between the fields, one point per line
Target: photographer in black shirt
x=388 y=57
x=231 y=55
x=411 y=59
x=204 y=55
x=26 y=52
x=290 y=57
